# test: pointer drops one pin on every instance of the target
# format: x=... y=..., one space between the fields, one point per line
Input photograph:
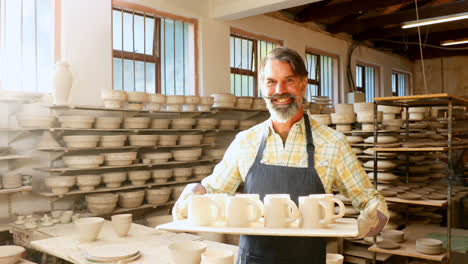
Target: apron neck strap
x=310 y=143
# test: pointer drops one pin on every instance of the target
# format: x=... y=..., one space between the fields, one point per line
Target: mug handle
x=217 y=215
x=327 y=215
x=294 y=212
x=342 y=208
x=260 y=205
x=257 y=211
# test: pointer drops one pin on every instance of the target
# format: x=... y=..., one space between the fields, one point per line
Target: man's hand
x=371 y=221
x=190 y=189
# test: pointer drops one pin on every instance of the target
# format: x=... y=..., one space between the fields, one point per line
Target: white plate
x=112 y=252
x=344 y=227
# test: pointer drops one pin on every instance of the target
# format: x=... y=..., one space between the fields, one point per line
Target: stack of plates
x=429 y=246
x=112 y=254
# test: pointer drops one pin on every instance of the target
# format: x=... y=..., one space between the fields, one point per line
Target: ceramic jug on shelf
x=62 y=82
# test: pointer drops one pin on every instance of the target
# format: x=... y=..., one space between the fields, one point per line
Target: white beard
x=282 y=114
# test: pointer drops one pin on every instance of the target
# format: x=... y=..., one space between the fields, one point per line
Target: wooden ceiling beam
x=412 y=34
x=360 y=25
x=315 y=11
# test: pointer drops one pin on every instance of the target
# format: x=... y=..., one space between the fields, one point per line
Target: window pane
x=117 y=74
x=117 y=30
x=149 y=33
x=358 y=76
x=128 y=76
x=139 y=28
x=139 y=76
x=231 y=50
x=179 y=57
x=394 y=83
x=150 y=78
x=127 y=32
x=29 y=61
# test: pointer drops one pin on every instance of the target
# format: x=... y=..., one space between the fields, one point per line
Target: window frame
x=242 y=34
x=376 y=78
x=335 y=73
x=134 y=8
x=407 y=76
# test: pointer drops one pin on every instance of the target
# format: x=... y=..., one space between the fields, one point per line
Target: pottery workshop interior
x=233 y=131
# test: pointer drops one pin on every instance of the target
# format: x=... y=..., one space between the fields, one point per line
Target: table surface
x=153 y=244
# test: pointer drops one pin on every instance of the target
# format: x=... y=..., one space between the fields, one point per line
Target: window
x=247 y=51
x=323 y=76
x=26 y=49
x=399 y=84
x=153 y=52
x=366 y=81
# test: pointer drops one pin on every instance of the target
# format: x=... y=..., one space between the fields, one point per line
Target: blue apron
x=269 y=179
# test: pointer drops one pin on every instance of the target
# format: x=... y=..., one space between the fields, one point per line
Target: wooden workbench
x=153 y=244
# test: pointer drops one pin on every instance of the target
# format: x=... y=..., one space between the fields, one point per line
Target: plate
x=121 y=261
x=111 y=252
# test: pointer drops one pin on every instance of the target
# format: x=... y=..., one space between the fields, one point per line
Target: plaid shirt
x=335 y=163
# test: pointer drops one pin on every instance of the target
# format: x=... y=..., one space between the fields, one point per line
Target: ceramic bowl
x=108 y=122
x=119 y=158
x=101 y=203
x=134 y=106
x=112 y=104
x=324 y=119
x=383 y=176
x=386 y=109
x=136 y=122
x=85 y=141
x=363 y=107
x=192 y=99
x=158 y=196
x=60 y=184
x=413 y=116
x=387 y=244
x=162 y=175
x=76 y=121
x=190 y=140
x=354 y=139
x=88 y=182
x=393 y=235
x=89 y=228
x=203 y=108
x=182 y=172
x=139 y=177
x=175 y=99
x=188 y=108
x=344 y=108
x=202 y=169
x=160 y=123
x=137 y=97
x=131 y=199
x=228 y=124
x=84 y=161
x=172 y=108
x=153 y=107
x=368 y=117
x=33 y=121
x=381 y=164
x=356 y=150
x=183 y=123
x=224 y=98
x=186 y=251
x=158 y=157
x=334 y=258
x=10 y=254
x=157 y=98
x=143 y=140
x=114 y=179
x=206 y=100
x=206 y=123
x=343 y=118
x=187 y=154
x=114 y=95
x=12 y=180
x=382 y=139
x=168 y=140
x=113 y=141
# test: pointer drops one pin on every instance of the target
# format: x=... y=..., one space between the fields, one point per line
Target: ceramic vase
x=62 y=82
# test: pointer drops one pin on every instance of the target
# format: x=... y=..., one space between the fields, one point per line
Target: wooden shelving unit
x=66 y=149
x=15 y=190
x=125 y=187
x=144 y=206
x=13 y=157
x=427 y=202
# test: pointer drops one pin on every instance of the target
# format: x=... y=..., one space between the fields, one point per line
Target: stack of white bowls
x=162 y=175
x=83 y=161
x=81 y=141
x=365 y=115
x=343 y=117
x=429 y=246
x=174 y=102
x=136 y=100
x=108 y=122
x=101 y=203
x=158 y=196
x=136 y=122
x=131 y=199
x=156 y=101
x=114 y=179
x=119 y=158
x=84 y=122
x=190 y=103
x=224 y=100
x=88 y=182
x=112 y=98
x=60 y=184
x=139 y=177
x=205 y=103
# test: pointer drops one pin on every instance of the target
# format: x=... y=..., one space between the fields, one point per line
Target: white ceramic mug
x=217 y=256
x=220 y=199
x=311 y=212
x=255 y=197
x=186 y=252
x=202 y=211
x=280 y=210
x=330 y=201
x=334 y=259
x=121 y=224
x=241 y=211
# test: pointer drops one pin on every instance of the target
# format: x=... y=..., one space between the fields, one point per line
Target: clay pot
x=11 y=180
x=157 y=98
x=76 y=121
x=89 y=228
x=60 y=184
x=139 y=178
x=83 y=162
x=113 y=141
x=101 y=203
x=88 y=182
x=187 y=154
x=121 y=224
x=160 y=123
x=10 y=254
x=136 y=122
x=131 y=199
x=119 y=158
x=158 y=196
x=168 y=140
x=161 y=175
x=183 y=123
x=157 y=157
x=108 y=122
x=334 y=258
x=143 y=140
x=137 y=97
x=114 y=179
x=85 y=141
x=190 y=140
x=228 y=124
x=186 y=252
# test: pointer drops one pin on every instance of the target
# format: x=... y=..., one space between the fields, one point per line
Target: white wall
x=87 y=45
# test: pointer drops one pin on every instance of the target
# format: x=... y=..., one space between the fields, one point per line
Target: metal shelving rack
x=423 y=101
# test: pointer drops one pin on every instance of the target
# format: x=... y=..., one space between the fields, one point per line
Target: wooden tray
x=344 y=227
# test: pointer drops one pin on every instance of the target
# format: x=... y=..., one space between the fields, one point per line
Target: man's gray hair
x=284 y=54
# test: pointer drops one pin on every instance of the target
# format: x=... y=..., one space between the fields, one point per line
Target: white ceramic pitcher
x=62 y=82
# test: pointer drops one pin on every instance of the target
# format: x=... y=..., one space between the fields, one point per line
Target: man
x=291 y=153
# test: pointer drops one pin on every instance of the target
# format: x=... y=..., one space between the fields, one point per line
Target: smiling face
x=283 y=90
